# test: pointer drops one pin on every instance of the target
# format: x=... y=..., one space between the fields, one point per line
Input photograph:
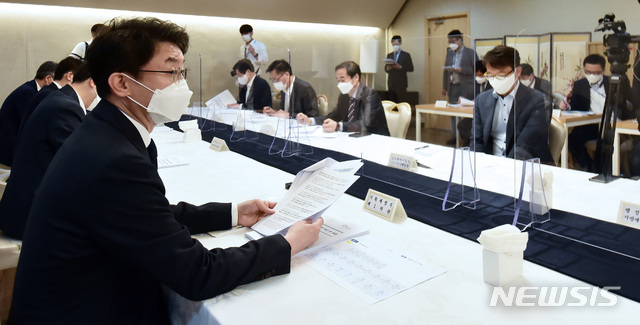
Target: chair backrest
x=323 y=105
x=387 y=103
x=556 y=138
x=398 y=118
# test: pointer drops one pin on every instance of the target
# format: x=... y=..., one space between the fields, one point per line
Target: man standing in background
x=80 y=50
x=458 y=75
x=14 y=107
x=397 y=82
x=252 y=50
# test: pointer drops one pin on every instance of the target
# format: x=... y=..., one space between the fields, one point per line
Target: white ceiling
x=372 y=13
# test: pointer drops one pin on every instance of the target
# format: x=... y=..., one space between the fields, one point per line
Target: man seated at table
x=589 y=94
x=359 y=107
x=102 y=239
x=51 y=123
x=255 y=92
x=465 y=125
x=291 y=87
x=529 y=79
x=496 y=112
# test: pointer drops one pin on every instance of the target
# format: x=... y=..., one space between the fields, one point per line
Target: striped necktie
x=351 y=111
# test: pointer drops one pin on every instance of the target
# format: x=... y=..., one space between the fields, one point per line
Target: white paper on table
x=310 y=195
x=466 y=102
x=170 y=162
x=370 y=269
x=222 y=100
x=333 y=231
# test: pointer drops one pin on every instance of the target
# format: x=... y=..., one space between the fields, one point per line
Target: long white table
x=306 y=297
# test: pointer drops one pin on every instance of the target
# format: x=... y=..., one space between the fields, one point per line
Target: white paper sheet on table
x=171 y=162
x=371 y=270
x=312 y=192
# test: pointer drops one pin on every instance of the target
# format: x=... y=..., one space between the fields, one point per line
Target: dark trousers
x=398 y=95
x=454 y=97
x=577 y=139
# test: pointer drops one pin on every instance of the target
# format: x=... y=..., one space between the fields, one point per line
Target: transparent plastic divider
x=243 y=123
x=462 y=188
x=535 y=210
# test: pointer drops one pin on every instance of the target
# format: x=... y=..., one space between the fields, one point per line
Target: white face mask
x=278 y=86
x=481 y=80
x=396 y=48
x=345 y=87
x=243 y=80
x=526 y=82
x=502 y=87
x=166 y=104
x=95 y=102
x=246 y=37
x=453 y=46
x=593 y=78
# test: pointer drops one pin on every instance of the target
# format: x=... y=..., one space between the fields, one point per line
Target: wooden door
x=436 y=30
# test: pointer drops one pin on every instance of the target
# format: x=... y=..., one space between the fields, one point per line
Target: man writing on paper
x=496 y=112
x=297 y=95
x=102 y=239
x=359 y=107
x=255 y=92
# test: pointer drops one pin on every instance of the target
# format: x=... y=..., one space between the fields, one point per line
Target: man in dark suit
x=47 y=129
x=458 y=74
x=397 y=81
x=495 y=112
x=529 y=79
x=63 y=76
x=359 y=107
x=14 y=107
x=465 y=125
x=255 y=92
x=589 y=94
x=293 y=90
x=102 y=239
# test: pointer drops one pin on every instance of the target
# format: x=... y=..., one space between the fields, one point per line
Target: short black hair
x=502 y=56
x=281 y=66
x=455 y=34
x=68 y=64
x=481 y=67
x=396 y=38
x=82 y=74
x=351 y=67
x=129 y=44
x=244 y=29
x=47 y=68
x=527 y=69
x=595 y=59
x=242 y=66
x=99 y=29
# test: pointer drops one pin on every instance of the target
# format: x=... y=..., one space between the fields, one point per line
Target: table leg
x=615 y=160
x=418 y=126
x=564 y=157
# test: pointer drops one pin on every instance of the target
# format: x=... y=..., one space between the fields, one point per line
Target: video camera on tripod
x=617 y=52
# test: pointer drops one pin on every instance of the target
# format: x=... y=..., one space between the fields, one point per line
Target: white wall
x=30 y=37
x=495 y=18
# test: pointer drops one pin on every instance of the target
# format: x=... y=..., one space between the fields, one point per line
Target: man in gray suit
x=495 y=112
x=459 y=73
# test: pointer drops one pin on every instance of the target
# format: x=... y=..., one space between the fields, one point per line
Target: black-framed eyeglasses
x=499 y=77
x=176 y=73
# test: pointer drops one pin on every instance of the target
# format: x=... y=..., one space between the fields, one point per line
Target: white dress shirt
x=261 y=61
x=598 y=96
x=500 y=120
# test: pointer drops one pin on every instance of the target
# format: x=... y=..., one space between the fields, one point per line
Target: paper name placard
x=441 y=103
x=402 y=162
x=218 y=145
x=629 y=214
x=268 y=129
x=384 y=206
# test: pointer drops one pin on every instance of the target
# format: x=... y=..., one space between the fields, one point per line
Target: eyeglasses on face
x=499 y=77
x=177 y=74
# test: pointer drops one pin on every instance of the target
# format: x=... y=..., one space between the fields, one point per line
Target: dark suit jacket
x=304 y=99
x=367 y=105
x=10 y=118
x=398 y=77
x=467 y=75
x=542 y=85
x=481 y=88
x=50 y=125
x=35 y=101
x=260 y=95
x=102 y=238
x=532 y=129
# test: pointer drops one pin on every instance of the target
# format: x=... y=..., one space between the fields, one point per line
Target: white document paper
x=370 y=269
x=222 y=100
x=312 y=192
x=333 y=231
x=170 y=162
